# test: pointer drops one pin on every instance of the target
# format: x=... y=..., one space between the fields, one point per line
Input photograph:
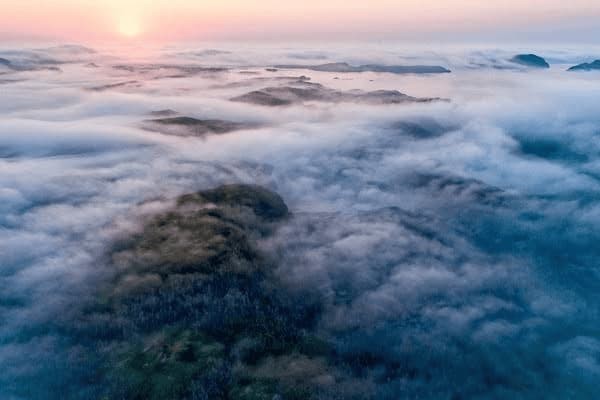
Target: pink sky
x=192 y=19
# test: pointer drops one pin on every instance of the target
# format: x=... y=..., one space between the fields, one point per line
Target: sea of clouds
x=456 y=241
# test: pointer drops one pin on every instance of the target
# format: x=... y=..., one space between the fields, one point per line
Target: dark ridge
x=388 y=97
x=71 y=48
x=593 y=66
x=184 y=70
x=300 y=91
x=550 y=150
x=163 y=113
x=9 y=81
x=458 y=188
x=394 y=69
x=114 y=86
x=530 y=60
x=37 y=65
x=424 y=129
x=260 y=79
x=188 y=126
x=263 y=98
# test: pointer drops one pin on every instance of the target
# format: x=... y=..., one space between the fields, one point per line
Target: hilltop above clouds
x=192 y=223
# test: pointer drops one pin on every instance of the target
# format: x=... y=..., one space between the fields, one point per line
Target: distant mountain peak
x=530 y=60
x=593 y=66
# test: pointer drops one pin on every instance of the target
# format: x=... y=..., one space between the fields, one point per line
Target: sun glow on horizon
x=129 y=27
x=192 y=19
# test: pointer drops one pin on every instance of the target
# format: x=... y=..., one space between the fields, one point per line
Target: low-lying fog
x=451 y=235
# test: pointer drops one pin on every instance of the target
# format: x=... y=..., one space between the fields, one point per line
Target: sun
x=129 y=27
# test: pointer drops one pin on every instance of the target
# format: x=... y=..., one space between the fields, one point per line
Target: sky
x=167 y=20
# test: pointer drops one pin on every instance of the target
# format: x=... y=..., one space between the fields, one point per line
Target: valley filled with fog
x=429 y=232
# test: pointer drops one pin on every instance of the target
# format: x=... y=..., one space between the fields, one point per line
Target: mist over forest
x=299 y=222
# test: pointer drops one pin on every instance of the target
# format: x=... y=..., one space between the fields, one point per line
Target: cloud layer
x=451 y=246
